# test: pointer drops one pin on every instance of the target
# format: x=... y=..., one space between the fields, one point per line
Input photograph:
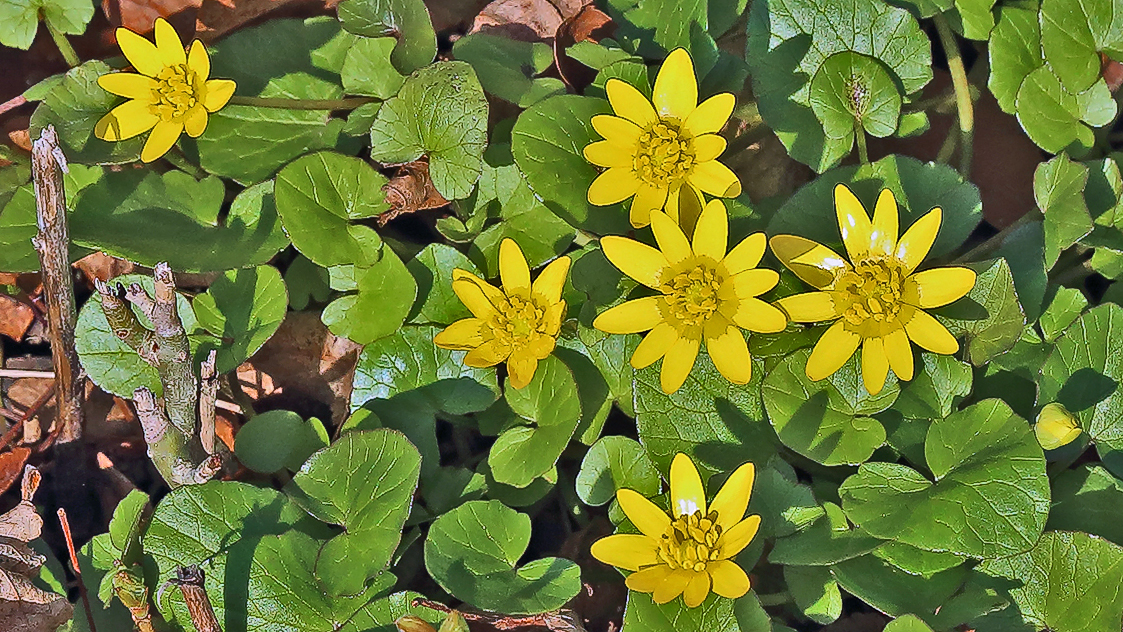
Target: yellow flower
x=878 y=297
x=687 y=552
x=1055 y=427
x=518 y=323
x=704 y=293
x=170 y=94
x=659 y=149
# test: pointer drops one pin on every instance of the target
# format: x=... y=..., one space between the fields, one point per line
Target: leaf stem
x=860 y=136
x=963 y=103
x=302 y=104
x=63 y=45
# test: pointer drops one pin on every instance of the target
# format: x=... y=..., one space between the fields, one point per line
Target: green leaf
x=146 y=217
x=507 y=67
x=1067 y=305
x=259 y=55
x=1083 y=373
x=789 y=41
x=306 y=282
x=990 y=496
x=547 y=142
x=718 y=424
x=613 y=463
x=933 y=394
x=125 y=529
x=916 y=561
x=893 y=591
x=550 y=409
x=977 y=17
x=406 y=20
x=409 y=361
x=854 y=93
x=278 y=439
x=917 y=186
x=670 y=20
x=384 y=295
x=1089 y=499
x=1055 y=118
x=472 y=551
x=19 y=222
x=828 y=541
x=432 y=269
x=1058 y=188
x=367 y=69
x=217 y=525
x=784 y=505
x=1015 y=52
x=907 y=623
x=321 y=197
x=243 y=309
x=1073 y=39
x=1024 y=251
x=990 y=315
x=828 y=421
x=20 y=19
x=364 y=483
x=715 y=614
x=1068 y=582
x=815 y=592
x=108 y=361
x=441 y=112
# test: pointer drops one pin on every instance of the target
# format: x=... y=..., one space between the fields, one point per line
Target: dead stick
x=190 y=580
x=10 y=435
x=53 y=244
x=77 y=569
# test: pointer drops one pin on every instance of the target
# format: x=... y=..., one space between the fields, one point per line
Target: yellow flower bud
x=410 y=623
x=1055 y=427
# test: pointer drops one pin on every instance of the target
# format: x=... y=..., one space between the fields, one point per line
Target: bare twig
x=16 y=428
x=53 y=243
x=77 y=569
x=190 y=580
x=18 y=373
x=563 y=620
x=208 y=396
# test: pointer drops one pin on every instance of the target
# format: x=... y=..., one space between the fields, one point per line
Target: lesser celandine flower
x=1055 y=427
x=687 y=552
x=877 y=299
x=169 y=93
x=655 y=150
x=704 y=294
x=518 y=323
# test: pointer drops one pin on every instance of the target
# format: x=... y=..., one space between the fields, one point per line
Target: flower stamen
x=665 y=154
x=871 y=291
x=176 y=92
x=517 y=320
x=691 y=542
x=692 y=295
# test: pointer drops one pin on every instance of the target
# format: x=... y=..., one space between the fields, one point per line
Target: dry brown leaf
x=15 y=317
x=1112 y=72
x=205 y=19
x=526 y=20
x=410 y=190
x=102 y=266
x=589 y=24
x=11 y=465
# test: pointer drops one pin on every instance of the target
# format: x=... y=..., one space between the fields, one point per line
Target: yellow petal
x=875 y=365
x=615 y=185
x=937 y=287
x=1055 y=427
x=198 y=60
x=728 y=350
x=168 y=45
x=672 y=242
x=918 y=240
x=738 y=537
x=928 y=333
x=715 y=178
x=475 y=298
x=648 y=199
x=853 y=222
x=654 y=345
x=493 y=294
x=628 y=551
x=140 y=52
x=899 y=352
x=648 y=580
x=677 y=364
x=711 y=115
x=512 y=268
x=125 y=121
x=756 y=315
x=746 y=254
x=164 y=134
x=617 y=130
x=218 y=92
x=644 y=514
x=754 y=282
x=883 y=236
x=488 y=354
x=605 y=153
x=733 y=498
x=832 y=351
x=676 y=89
x=128 y=84
x=684 y=205
x=687 y=493
x=629 y=103
x=555 y=313
x=811 y=261
x=550 y=282
x=809 y=307
x=708 y=147
x=696 y=591
x=195 y=121
x=632 y=317
x=729 y=579
x=520 y=369
x=462 y=335
x=541 y=345
x=711 y=232
x=639 y=261
x=672 y=586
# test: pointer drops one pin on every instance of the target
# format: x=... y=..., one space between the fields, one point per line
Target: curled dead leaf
x=410 y=190
x=590 y=24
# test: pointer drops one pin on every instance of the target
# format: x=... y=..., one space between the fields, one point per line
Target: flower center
x=175 y=93
x=665 y=153
x=871 y=291
x=691 y=541
x=518 y=319
x=692 y=295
